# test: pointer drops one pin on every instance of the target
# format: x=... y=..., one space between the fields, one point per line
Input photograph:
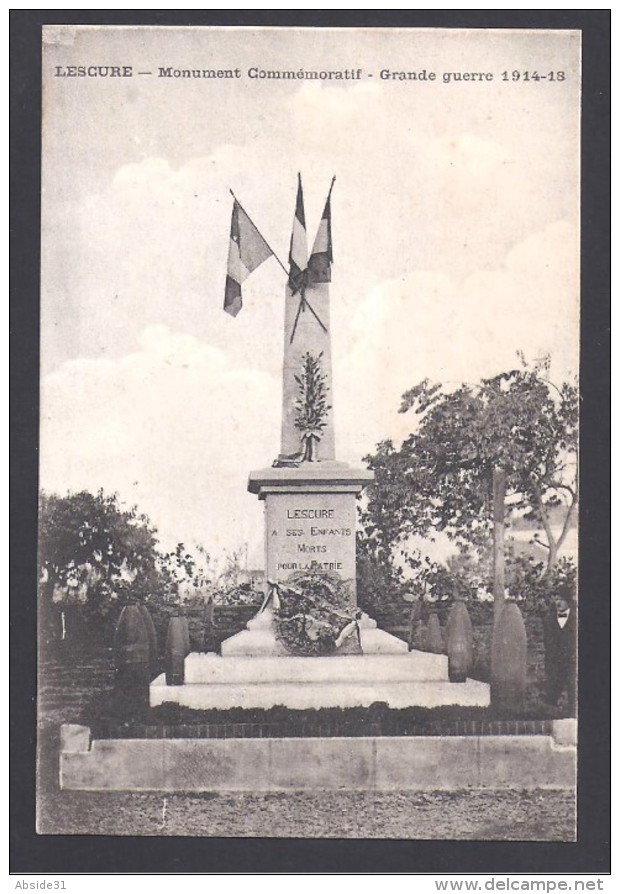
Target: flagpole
x=301 y=302
x=258 y=231
x=316 y=316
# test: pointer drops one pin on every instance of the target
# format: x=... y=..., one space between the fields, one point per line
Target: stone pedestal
x=259 y=638
x=310 y=517
x=348 y=681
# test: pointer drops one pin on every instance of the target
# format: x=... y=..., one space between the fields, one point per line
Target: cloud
x=469 y=172
x=149 y=245
x=151 y=249
x=450 y=330
x=334 y=104
x=177 y=424
x=172 y=427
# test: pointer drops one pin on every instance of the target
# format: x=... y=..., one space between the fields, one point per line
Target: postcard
x=308 y=432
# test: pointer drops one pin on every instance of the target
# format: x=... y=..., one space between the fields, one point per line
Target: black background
x=31 y=853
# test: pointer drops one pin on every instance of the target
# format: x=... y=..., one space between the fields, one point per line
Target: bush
x=238 y=594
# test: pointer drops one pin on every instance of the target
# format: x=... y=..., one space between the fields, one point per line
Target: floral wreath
x=314 y=607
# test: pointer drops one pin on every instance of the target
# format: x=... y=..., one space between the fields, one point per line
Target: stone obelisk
x=307 y=335
x=304 y=318
x=310 y=497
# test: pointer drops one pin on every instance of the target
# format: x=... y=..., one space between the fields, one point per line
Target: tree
x=224 y=579
x=441 y=477
x=97 y=555
x=380 y=583
x=526 y=578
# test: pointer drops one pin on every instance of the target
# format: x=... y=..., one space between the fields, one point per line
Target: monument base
x=255 y=680
x=258 y=639
x=300 y=696
x=255 y=671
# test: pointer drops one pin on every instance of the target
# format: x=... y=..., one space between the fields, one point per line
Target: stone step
x=406 y=667
x=430 y=694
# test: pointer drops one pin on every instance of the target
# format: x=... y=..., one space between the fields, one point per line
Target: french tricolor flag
x=246 y=251
x=320 y=261
x=298 y=253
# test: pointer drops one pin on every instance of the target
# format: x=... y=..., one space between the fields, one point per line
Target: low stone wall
x=307 y=764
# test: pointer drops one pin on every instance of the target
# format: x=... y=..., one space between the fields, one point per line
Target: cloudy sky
x=455 y=230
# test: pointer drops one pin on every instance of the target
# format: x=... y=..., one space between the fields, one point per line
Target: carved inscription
x=314 y=537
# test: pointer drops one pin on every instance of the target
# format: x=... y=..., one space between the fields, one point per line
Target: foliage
x=181 y=563
x=227 y=573
x=311 y=406
x=314 y=607
x=531 y=583
x=376 y=719
x=97 y=555
x=222 y=580
x=527 y=580
x=382 y=584
x=378 y=585
x=440 y=479
x=239 y=594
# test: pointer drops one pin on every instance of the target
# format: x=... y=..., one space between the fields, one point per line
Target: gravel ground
x=473 y=815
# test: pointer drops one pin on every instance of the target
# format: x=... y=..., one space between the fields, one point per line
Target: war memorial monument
x=309 y=647
x=310 y=509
